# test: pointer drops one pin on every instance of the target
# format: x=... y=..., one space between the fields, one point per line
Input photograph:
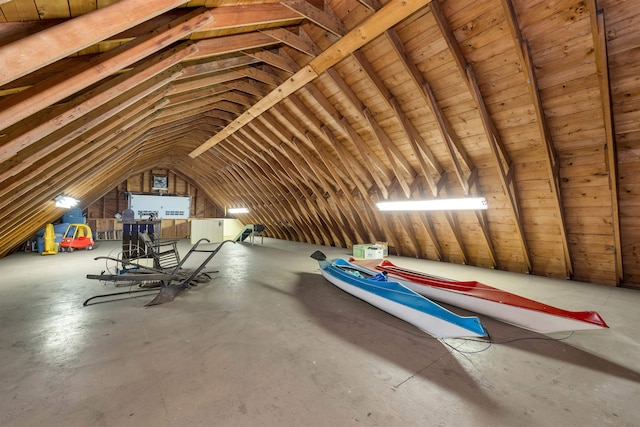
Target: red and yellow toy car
x=77 y=236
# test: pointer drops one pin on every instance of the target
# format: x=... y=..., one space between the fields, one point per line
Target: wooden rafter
x=360 y=145
x=78 y=171
x=277 y=153
x=503 y=163
x=112 y=104
x=600 y=43
x=551 y=159
x=295 y=210
x=371 y=4
x=71 y=36
x=351 y=166
x=194 y=68
x=322 y=175
x=294 y=40
x=296 y=166
x=227 y=17
x=463 y=166
x=392 y=13
x=378 y=167
x=334 y=220
x=60 y=86
x=319 y=17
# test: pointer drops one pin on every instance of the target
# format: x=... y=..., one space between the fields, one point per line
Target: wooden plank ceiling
x=309 y=112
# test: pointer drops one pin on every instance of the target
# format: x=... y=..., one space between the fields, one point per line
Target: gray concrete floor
x=268 y=342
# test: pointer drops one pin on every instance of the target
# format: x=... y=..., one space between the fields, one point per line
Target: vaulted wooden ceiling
x=309 y=112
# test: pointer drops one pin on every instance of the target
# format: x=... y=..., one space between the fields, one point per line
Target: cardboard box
x=358 y=250
x=374 y=252
x=384 y=246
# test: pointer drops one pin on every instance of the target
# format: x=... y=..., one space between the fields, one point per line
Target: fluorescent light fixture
x=237 y=210
x=466 y=203
x=66 y=201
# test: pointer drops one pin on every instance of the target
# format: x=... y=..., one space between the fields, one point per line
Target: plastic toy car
x=77 y=236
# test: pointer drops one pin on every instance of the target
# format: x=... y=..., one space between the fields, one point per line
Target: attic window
x=160 y=182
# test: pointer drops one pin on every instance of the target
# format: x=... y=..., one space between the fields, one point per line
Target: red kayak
x=502 y=305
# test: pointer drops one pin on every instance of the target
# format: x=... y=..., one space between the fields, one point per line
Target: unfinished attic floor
x=269 y=342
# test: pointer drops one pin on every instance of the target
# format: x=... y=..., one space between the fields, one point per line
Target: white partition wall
x=212 y=229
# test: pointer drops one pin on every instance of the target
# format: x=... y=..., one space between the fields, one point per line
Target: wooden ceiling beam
x=371 y=160
x=405 y=221
x=259 y=131
x=463 y=68
x=276 y=139
x=457 y=235
x=216 y=115
x=46 y=93
x=333 y=215
x=199 y=83
x=252 y=15
x=315 y=125
x=417 y=144
x=231 y=153
x=185 y=97
x=53 y=141
x=394 y=155
x=260 y=75
x=508 y=184
x=219 y=115
x=232 y=44
x=293 y=40
x=246 y=141
x=79 y=170
x=368 y=208
x=226 y=17
x=230 y=106
x=358 y=222
x=329 y=232
x=600 y=42
x=178 y=112
x=291 y=213
x=354 y=172
x=371 y=4
x=298 y=132
x=392 y=13
x=197 y=106
x=276 y=60
x=251 y=87
x=306 y=203
x=447 y=133
x=51 y=166
x=551 y=158
x=286 y=173
x=57 y=42
x=193 y=68
x=503 y=163
x=463 y=166
x=427 y=226
x=319 y=17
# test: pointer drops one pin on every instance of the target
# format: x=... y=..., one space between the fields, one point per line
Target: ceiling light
x=66 y=201
x=237 y=210
x=466 y=203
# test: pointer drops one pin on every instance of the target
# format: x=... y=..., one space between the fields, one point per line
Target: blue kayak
x=398 y=300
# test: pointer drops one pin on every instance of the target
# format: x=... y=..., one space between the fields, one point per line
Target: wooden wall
x=100 y=214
